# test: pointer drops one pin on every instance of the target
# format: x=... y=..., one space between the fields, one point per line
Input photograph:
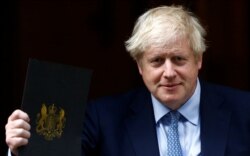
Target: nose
x=169 y=70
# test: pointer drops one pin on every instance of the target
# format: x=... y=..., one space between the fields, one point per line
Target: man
x=175 y=114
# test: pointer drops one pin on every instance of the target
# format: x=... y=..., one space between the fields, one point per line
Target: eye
x=157 y=61
x=179 y=60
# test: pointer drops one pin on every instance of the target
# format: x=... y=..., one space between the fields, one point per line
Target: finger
x=17 y=133
x=18 y=123
x=19 y=114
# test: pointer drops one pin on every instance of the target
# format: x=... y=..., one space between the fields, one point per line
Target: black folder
x=55 y=97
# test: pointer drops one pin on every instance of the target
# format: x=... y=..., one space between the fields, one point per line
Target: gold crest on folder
x=50 y=122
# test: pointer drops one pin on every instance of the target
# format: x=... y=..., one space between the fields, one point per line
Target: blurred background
x=91 y=34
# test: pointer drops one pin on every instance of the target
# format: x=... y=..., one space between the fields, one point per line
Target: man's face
x=170 y=74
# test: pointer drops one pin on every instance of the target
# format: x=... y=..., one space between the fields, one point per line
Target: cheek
x=152 y=76
x=191 y=76
x=190 y=71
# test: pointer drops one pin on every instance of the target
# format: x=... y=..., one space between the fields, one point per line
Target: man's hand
x=17 y=130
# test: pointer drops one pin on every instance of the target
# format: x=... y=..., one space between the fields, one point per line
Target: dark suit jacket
x=124 y=125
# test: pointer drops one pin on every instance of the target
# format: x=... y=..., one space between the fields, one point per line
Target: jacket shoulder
x=234 y=97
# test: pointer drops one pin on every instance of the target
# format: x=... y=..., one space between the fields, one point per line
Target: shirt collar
x=190 y=109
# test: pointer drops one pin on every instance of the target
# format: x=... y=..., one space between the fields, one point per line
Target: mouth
x=170 y=86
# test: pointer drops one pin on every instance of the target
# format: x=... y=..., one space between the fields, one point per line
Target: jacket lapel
x=215 y=119
x=141 y=126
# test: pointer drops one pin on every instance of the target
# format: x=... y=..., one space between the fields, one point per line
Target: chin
x=170 y=101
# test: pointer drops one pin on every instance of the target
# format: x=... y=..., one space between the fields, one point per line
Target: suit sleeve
x=91 y=132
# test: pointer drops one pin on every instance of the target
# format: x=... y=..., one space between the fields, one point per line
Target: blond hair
x=161 y=26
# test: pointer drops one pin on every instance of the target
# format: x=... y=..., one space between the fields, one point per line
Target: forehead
x=178 y=47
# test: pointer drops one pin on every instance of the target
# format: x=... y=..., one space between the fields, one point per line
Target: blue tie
x=173 y=146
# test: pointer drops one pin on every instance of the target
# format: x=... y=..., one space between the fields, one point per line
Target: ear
x=199 y=61
x=139 y=66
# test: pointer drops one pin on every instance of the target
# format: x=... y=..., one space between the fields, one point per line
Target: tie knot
x=171 y=118
x=174 y=116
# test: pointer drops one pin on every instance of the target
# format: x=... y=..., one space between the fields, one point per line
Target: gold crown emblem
x=50 y=122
